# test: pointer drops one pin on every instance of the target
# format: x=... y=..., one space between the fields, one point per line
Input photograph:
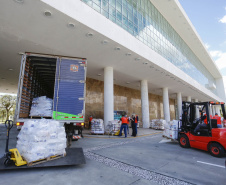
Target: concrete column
x=179 y=105
x=145 y=103
x=218 y=110
x=213 y=110
x=189 y=98
x=166 y=104
x=108 y=95
x=197 y=109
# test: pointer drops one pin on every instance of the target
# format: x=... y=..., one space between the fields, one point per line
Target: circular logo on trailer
x=74 y=68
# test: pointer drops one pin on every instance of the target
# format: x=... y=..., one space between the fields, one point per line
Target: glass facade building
x=141 y=19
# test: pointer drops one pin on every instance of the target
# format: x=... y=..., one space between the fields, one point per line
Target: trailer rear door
x=69 y=95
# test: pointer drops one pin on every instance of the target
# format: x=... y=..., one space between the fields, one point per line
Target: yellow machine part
x=117 y=133
x=16 y=157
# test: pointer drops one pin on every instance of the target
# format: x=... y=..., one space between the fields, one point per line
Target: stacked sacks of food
x=97 y=126
x=113 y=126
x=42 y=106
x=171 y=129
x=174 y=129
x=157 y=124
x=40 y=139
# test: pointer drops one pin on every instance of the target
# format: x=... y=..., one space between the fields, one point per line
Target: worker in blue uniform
x=124 y=124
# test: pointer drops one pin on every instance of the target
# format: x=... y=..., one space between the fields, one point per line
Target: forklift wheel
x=216 y=150
x=8 y=162
x=184 y=141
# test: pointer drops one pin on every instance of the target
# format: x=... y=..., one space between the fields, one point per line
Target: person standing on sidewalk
x=90 y=119
x=128 y=120
x=134 y=125
x=124 y=124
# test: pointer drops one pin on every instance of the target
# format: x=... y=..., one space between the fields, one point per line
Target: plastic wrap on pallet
x=114 y=126
x=171 y=129
x=157 y=124
x=42 y=106
x=166 y=132
x=97 y=126
x=173 y=134
x=174 y=125
x=42 y=138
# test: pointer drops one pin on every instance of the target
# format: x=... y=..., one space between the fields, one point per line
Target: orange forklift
x=210 y=137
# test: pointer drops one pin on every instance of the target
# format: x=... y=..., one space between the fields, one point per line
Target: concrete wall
x=125 y=99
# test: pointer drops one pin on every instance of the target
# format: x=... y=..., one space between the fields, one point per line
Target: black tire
x=74 y=139
x=216 y=150
x=8 y=162
x=184 y=141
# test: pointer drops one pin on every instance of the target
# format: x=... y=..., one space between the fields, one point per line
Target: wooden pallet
x=45 y=160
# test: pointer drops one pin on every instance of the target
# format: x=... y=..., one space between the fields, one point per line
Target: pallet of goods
x=157 y=124
x=41 y=107
x=171 y=130
x=113 y=127
x=41 y=140
x=97 y=126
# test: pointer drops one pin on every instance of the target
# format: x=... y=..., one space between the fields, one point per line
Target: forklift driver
x=203 y=123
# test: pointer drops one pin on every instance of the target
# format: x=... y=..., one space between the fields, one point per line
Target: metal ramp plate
x=75 y=156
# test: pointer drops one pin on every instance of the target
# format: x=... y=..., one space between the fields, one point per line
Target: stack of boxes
x=171 y=129
x=157 y=124
x=97 y=126
x=114 y=126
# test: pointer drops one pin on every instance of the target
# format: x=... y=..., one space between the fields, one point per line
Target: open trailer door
x=69 y=95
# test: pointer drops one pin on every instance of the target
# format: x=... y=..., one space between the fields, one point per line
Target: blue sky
x=209 y=20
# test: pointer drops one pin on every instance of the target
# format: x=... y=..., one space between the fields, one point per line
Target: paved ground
x=147 y=159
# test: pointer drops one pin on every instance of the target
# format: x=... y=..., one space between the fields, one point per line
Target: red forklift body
x=202 y=142
x=210 y=138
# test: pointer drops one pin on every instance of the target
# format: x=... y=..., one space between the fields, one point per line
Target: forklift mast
x=189 y=113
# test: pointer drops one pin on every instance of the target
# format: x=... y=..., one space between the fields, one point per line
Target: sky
x=209 y=19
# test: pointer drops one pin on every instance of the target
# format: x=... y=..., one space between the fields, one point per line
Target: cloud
x=221 y=61
x=217 y=54
x=207 y=45
x=223 y=20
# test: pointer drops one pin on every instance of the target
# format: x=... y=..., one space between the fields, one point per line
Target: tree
x=6 y=103
x=2 y=114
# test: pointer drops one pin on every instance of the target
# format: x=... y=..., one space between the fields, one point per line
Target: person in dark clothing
x=90 y=119
x=134 y=122
x=203 y=124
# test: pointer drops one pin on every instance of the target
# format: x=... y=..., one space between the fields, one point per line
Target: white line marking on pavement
x=211 y=164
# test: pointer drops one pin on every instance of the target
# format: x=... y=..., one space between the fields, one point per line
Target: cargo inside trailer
x=39 y=80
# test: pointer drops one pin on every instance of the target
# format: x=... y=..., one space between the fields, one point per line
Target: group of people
x=125 y=124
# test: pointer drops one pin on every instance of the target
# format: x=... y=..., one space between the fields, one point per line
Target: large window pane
x=141 y=19
x=112 y=3
x=119 y=7
x=97 y=2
